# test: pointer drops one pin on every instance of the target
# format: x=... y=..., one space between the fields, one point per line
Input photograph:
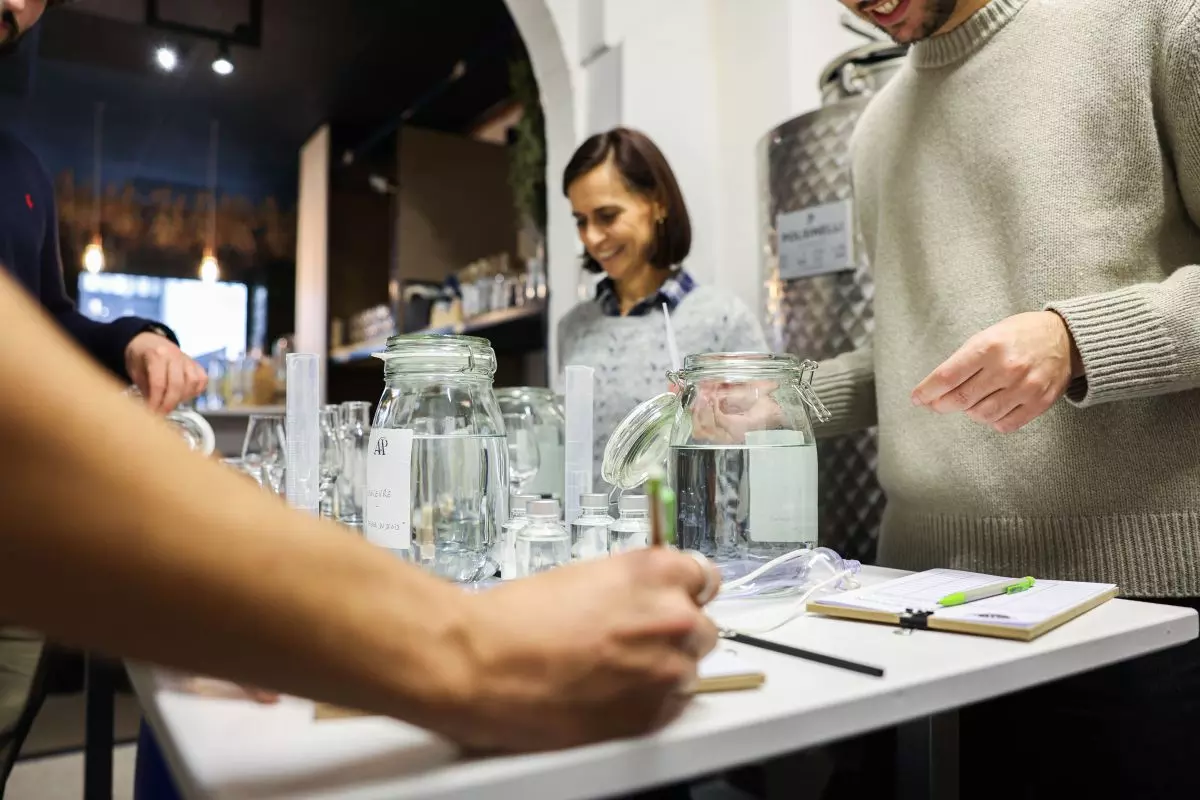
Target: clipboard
x=911 y=602
x=722 y=670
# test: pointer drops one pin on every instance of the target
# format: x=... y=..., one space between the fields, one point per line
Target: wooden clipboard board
x=930 y=621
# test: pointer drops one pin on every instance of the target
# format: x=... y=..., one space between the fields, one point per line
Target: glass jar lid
x=423 y=353
x=639 y=444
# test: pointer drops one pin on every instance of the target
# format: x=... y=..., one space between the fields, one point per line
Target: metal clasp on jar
x=804 y=384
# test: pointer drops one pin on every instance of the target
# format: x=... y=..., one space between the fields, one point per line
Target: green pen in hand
x=662 y=511
x=984 y=592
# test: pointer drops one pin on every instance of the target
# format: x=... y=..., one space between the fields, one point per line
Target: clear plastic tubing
x=304 y=432
x=580 y=422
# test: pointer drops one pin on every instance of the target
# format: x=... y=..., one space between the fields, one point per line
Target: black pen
x=853 y=666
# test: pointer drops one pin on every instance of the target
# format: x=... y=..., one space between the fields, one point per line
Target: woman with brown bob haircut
x=635 y=229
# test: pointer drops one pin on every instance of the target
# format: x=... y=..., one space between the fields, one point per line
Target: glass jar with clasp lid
x=437 y=462
x=740 y=453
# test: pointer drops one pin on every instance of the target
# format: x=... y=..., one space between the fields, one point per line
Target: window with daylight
x=210 y=319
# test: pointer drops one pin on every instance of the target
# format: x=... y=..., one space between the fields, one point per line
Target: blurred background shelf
x=519 y=329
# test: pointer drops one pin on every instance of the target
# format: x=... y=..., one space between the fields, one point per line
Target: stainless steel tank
x=819 y=289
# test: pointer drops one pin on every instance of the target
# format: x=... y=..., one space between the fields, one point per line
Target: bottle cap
x=520 y=502
x=599 y=500
x=634 y=502
x=543 y=508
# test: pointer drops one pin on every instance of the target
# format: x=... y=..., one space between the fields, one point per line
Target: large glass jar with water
x=437 y=469
x=740 y=452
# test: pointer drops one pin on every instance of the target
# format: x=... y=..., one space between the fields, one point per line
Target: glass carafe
x=740 y=452
x=541 y=408
x=437 y=473
x=194 y=429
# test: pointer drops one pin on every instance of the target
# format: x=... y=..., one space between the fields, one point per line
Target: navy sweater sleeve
x=29 y=249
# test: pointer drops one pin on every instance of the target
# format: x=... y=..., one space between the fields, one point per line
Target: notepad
x=722 y=670
x=911 y=601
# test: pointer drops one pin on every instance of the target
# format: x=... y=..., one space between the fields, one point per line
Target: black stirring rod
x=808 y=655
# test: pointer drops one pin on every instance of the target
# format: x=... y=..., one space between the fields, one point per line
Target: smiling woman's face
x=616 y=225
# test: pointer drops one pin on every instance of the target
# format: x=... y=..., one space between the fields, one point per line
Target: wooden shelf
x=485 y=325
x=241 y=411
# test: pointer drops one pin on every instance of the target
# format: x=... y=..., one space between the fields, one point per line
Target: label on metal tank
x=816 y=240
x=387 y=505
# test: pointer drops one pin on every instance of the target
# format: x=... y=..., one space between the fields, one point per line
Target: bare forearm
x=113 y=536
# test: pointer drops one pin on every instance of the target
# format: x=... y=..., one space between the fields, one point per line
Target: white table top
x=234 y=748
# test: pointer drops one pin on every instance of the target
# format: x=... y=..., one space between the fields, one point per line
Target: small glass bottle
x=632 y=530
x=543 y=543
x=508 y=534
x=589 y=533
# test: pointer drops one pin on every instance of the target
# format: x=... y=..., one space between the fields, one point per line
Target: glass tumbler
x=355 y=436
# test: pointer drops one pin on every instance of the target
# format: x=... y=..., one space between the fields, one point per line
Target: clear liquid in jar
x=748 y=502
x=459 y=502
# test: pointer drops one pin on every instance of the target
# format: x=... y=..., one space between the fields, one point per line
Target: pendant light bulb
x=210 y=268
x=93 y=256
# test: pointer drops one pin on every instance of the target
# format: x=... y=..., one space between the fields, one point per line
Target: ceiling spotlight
x=166 y=58
x=222 y=64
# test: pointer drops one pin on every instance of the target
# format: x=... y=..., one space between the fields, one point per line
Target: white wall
x=706 y=79
x=770 y=54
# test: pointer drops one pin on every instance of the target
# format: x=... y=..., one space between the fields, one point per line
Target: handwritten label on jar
x=387 y=505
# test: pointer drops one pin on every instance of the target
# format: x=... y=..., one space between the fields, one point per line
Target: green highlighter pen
x=662 y=511
x=991 y=590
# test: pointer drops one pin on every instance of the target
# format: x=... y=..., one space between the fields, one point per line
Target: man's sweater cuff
x=1124 y=344
x=849 y=394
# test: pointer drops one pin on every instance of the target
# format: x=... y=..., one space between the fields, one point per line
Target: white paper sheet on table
x=921 y=591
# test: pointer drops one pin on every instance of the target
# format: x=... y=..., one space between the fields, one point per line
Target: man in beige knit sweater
x=1028 y=188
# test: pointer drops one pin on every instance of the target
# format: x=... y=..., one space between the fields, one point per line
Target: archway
x=551 y=66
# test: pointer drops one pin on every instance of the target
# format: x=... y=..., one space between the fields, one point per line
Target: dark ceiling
x=357 y=63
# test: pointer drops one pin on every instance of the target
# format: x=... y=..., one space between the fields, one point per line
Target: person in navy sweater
x=138 y=351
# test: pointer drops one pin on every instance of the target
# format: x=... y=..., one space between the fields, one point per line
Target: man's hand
x=163 y=374
x=587 y=652
x=723 y=413
x=1006 y=376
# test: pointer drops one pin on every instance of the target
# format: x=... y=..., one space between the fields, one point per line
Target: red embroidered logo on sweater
x=29 y=202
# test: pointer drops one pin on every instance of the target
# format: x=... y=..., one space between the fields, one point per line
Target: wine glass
x=264 y=450
x=524 y=459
